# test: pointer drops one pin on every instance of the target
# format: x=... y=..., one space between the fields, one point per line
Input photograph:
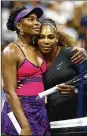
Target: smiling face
x=48 y=39
x=30 y=25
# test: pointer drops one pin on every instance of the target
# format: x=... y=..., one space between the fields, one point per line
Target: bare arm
x=9 y=63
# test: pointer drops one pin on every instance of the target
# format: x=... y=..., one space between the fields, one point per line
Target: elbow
x=11 y=95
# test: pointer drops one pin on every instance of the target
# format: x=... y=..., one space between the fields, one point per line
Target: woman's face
x=30 y=25
x=48 y=39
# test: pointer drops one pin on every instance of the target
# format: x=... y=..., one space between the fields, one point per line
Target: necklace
x=55 y=53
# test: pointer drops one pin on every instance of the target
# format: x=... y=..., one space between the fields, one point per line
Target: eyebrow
x=32 y=16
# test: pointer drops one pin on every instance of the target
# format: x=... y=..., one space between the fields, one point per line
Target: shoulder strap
x=20 y=49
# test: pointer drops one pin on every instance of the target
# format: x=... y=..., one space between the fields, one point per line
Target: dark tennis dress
x=62 y=70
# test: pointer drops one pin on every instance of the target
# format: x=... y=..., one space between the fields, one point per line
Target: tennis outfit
x=31 y=76
x=62 y=107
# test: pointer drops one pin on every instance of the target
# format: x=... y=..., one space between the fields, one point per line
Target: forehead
x=45 y=28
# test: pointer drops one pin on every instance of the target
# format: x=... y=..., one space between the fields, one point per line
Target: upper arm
x=9 y=62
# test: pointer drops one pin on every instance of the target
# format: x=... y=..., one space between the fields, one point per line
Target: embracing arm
x=78 y=54
x=9 y=63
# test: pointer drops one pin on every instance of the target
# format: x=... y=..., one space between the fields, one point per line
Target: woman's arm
x=9 y=63
x=79 y=55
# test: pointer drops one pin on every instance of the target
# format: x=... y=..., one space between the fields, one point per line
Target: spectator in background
x=6 y=34
x=53 y=11
x=33 y=4
x=83 y=32
x=18 y=3
x=70 y=30
x=6 y=4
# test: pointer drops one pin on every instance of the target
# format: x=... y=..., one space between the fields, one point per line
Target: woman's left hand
x=79 y=55
x=65 y=89
x=19 y=85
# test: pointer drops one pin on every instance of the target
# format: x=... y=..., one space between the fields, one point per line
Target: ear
x=56 y=38
x=18 y=25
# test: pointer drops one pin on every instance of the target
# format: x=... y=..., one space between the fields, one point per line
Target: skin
x=47 y=43
x=31 y=28
x=79 y=56
x=29 y=24
x=11 y=56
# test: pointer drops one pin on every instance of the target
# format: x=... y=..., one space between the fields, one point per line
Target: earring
x=21 y=31
x=33 y=40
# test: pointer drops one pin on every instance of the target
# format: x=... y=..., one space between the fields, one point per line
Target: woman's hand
x=65 y=89
x=79 y=55
x=26 y=132
x=19 y=85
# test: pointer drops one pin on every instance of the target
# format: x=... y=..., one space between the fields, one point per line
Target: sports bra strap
x=20 y=48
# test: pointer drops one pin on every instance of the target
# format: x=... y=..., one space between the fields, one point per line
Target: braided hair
x=49 y=21
x=64 y=39
x=13 y=14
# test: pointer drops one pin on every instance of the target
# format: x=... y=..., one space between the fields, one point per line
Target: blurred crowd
x=70 y=16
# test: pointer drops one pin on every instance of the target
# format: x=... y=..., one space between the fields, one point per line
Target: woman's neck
x=25 y=40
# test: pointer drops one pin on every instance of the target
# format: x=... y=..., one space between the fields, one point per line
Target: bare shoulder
x=10 y=52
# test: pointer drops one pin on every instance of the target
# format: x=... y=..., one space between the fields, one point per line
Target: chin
x=36 y=34
x=45 y=52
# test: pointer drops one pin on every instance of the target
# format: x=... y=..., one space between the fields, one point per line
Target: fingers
x=65 y=89
x=75 y=56
x=45 y=99
x=64 y=86
x=78 y=60
x=19 y=85
x=79 y=49
x=79 y=56
x=18 y=81
x=64 y=93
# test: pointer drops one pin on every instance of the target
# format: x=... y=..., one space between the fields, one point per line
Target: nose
x=46 y=40
x=37 y=23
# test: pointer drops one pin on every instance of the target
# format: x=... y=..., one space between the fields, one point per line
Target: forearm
x=17 y=109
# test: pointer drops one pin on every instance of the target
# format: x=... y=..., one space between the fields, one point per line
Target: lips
x=36 y=28
x=46 y=48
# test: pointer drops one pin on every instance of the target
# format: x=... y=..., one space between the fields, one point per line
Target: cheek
x=53 y=42
x=28 y=26
x=27 y=29
x=39 y=42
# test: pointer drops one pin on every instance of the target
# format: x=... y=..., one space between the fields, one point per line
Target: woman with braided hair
x=54 y=46
x=21 y=60
x=60 y=68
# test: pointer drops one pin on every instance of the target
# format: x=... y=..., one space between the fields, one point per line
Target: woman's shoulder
x=10 y=50
x=67 y=51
